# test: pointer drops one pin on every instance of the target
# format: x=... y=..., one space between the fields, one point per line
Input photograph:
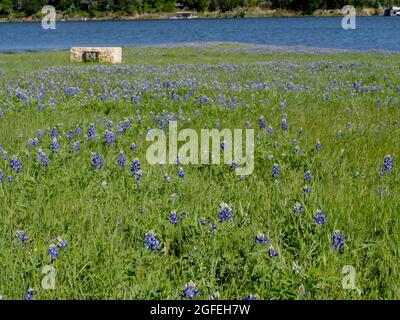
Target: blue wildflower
x=53 y=252
x=54 y=133
x=270 y=131
x=109 y=137
x=23 y=238
x=234 y=165
x=261 y=238
x=61 y=243
x=71 y=135
x=261 y=123
x=133 y=146
x=271 y=252
x=10 y=179
x=135 y=166
x=55 y=145
x=306 y=189
x=298 y=208
x=190 y=291
x=307 y=176
x=225 y=212
x=320 y=218
x=173 y=218
x=318 y=146
x=43 y=158
x=1 y=176
x=181 y=172
x=97 y=161
x=150 y=241
x=284 y=124
x=15 y=164
x=76 y=146
x=30 y=294
x=387 y=165
x=251 y=297
x=121 y=160
x=275 y=170
x=91 y=132
x=338 y=241
x=78 y=130
x=138 y=177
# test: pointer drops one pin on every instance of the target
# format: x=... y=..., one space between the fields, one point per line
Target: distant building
x=392 y=11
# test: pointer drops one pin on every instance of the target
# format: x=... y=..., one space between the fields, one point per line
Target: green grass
x=104 y=216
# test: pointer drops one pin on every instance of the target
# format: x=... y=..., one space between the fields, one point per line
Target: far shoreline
x=238 y=13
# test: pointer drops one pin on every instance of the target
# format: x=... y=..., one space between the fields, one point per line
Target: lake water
x=372 y=33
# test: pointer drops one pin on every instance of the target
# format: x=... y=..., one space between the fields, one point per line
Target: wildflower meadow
x=79 y=198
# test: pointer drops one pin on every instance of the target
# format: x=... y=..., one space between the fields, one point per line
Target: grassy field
x=348 y=102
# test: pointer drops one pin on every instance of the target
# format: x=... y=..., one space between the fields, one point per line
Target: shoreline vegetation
x=255 y=12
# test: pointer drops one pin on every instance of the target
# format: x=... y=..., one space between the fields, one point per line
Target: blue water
x=372 y=33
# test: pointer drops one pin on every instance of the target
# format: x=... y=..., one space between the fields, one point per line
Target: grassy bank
x=342 y=113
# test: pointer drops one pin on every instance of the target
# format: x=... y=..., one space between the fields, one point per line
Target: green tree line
x=23 y=8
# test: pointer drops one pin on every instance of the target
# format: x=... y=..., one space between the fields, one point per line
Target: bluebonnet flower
x=261 y=238
x=338 y=241
x=61 y=243
x=55 y=145
x=202 y=221
x=284 y=124
x=1 y=176
x=76 y=146
x=10 y=179
x=135 y=166
x=213 y=227
x=53 y=252
x=167 y=178
x=23 y=238
x=138 y=177
x=5 y=155
x=275 y=170
x=54 y=133
x=71 y=135
x=150 y=241
x=43 y=158
x=320 y=218
x=307 y=176
x=215 y=296
x=270 y=131
x=298 y=208
x=223 y=145
x=121 y=160
x=15 y=164
x=297 y=150
x=234 y=165
x=173 y=218
x=261 y=123
x=225 y=212
x=306 y=189
x=271 y=157
x=97 y=161
x=133 y=146
x=30 y=294
x=387 y=165
x=190 y=291
x=91 y=132
x=109 y=137
x=271 y=252
x=181 y=172
x=33 y=142
x=251 y=297
x=78 y=130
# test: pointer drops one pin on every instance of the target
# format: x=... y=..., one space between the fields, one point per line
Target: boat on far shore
x=392 y=11
x=184 y=15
